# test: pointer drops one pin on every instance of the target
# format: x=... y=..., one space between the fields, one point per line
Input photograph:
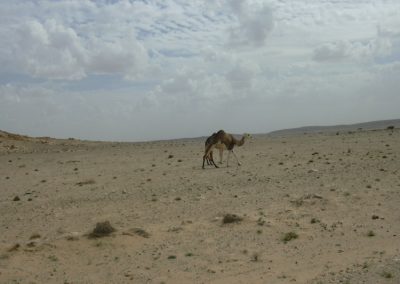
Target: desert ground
x=308 y=208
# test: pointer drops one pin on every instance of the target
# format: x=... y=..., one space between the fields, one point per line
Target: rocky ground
x=305 y=208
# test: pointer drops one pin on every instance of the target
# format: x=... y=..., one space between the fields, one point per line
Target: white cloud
x=49 y=50
x=241 y=77
x=255 y=23
x=364 y=50
x=331 y=51
x=126 y=56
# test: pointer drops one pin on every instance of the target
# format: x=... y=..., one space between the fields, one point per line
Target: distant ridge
x=12 y=136
x=372 y=125
x=380 y=124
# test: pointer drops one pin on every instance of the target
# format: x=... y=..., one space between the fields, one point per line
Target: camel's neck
x=240 y=142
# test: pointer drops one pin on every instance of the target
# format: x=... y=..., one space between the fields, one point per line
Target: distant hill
x=381 y=124
x=12 y=136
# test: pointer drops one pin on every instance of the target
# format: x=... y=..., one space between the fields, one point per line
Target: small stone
x=73 y=236
x=35 y=236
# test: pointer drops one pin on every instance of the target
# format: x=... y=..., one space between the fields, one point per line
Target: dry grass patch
x=289 y=236
x=137 y=231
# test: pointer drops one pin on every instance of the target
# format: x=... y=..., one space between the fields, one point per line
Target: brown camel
x=221 y=140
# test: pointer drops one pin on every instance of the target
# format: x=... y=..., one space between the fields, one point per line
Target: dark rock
x=102 y=229
x=231 y=218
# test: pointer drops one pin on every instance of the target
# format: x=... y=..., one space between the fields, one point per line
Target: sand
x=311 y=208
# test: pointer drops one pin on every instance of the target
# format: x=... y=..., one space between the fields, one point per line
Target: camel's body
x=221 y=140
x=220 y=146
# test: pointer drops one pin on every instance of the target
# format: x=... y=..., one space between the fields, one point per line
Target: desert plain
x=304 y=208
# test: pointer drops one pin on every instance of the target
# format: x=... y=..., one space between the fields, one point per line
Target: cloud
x=241 y=77
x=189 y=90
x=27 y=108
x=331 y=51
x=255 y=22
x=51 y=50
x=361 y=50
x=126 y=56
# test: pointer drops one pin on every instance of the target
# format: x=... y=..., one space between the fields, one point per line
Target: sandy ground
x=334 y=197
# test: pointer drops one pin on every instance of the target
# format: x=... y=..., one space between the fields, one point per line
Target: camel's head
x=244 y=138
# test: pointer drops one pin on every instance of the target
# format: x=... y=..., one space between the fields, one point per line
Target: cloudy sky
x=152 y=69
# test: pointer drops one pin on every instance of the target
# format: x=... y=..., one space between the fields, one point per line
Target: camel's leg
x=212 y=159
x=227 y=159
x=221 y=152
x=205 y=158
x=237 y=160
x=208 y=155
x=209 y=158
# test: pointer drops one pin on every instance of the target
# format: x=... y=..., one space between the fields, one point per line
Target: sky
x=149 y=69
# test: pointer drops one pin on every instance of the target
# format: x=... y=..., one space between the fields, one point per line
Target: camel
x=220 y=140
